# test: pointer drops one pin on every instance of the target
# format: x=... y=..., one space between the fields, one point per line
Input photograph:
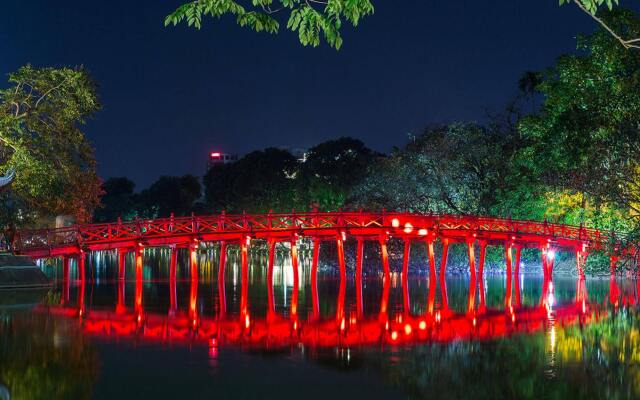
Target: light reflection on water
x=82 y=345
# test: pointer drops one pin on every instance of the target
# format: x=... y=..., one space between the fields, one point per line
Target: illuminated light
x=248 y=240
x=213 y=342
x=386 y=326
x=215 y=154
x=194 y=322
x=513 y=238
x=344 y=235
x=295 y=325
x=584 y=307
x=474 y=321
x=353 y=321
x=551 y=299
x=551 y=254
x=408 y=228
x=438 y=316
x=475 y=235
x=513 y=318
x=422 y=232
x=247 y=321
x=407 y=329
x=422 y=325
x=395 y=222
x=399 y=318
x=551 y=286
x=342 y=324
x=394 y=336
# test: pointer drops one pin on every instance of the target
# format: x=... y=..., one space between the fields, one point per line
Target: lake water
x=155 y=339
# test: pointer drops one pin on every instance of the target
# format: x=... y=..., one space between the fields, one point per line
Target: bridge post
x=359 y=262
x=432 y=276
x=405 y=275
x=385 y=257
x=139 y=252
x=193 y=260
x=516 y=274
x=296 y=280
x=386 y=281
x=244 y=295
x=443 y=273
x=222 y=263
x=193 y=300
x=472 y=270
x=509 y=262
x=271 y=243
x=314 y=278
x=343 y=276
x=173 y=276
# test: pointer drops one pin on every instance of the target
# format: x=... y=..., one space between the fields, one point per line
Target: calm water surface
x=155 y=339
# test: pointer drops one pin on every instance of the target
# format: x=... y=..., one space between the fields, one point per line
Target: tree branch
x=627 y=43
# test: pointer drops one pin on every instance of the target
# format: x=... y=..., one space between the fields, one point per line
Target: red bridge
x=188 y=232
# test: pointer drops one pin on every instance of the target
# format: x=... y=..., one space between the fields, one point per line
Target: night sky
x=171 y=95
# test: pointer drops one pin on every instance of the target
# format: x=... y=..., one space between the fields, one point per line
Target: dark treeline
x=566 y=149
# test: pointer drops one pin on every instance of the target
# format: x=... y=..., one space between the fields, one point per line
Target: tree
x=585 y=141
x=330 y=171
x=315 y=18
x=41 y=115
x=118 y=200
x=311 y=19
x=591 y=7
x=449 y=168
x=169 y=194
x=258 y=182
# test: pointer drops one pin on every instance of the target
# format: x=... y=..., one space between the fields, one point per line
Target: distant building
x=217 y=158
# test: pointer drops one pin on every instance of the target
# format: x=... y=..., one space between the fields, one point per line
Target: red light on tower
x=215 y=154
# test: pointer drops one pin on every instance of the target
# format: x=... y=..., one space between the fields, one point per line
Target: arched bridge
x=380 y=226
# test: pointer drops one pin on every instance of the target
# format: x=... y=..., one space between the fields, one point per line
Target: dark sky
x=171 y=95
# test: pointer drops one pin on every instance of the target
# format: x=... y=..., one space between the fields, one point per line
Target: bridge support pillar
x=359 y=262
x=472 y=269
x=343 y=277
x=509 y=264
x=222 y=263
x=386 y=282
x=271 y=243
x=244 y=294
x=314 y=278
x=405 y=275
x=193 y=288
x=481 y=262
x=432 y=276
x=173 y=277
x=443 y=273
x=296 y=279
x=139 y=252
x=516 y=275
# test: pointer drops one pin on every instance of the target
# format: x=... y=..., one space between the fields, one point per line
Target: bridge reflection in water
x=348 y=326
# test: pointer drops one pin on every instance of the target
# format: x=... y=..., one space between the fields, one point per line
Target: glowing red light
x=215 y=154
x=395 y=222
x=407 y=329
x=422 y=325
x=394 y=336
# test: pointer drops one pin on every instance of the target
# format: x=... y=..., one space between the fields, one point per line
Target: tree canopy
x=41 y=116
x=316 y=19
